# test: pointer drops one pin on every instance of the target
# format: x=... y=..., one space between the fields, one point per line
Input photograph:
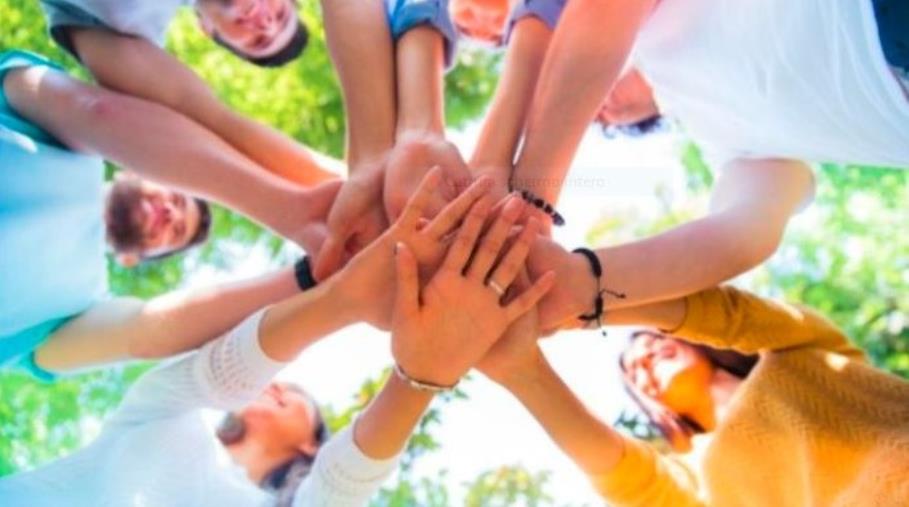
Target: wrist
x=583 y=285
x=526 y=375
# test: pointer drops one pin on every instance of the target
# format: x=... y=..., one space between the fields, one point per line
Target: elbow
x=755 y=250
x=143 y=349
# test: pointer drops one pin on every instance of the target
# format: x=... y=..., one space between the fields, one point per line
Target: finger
x=407 y=292
x=512 y=263
x=330 y=258
x=454 y=212
x=463 y=245
x=494 y=240
x=415 y=207
x=529 y=298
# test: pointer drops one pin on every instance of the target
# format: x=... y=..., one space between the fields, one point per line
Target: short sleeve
x=9 y=118
x=547 y=11
x=61 y=15
x=403 y=15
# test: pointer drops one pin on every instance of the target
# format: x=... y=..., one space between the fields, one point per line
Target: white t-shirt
x=799 y=79
x=148 y=19
x=157 y=450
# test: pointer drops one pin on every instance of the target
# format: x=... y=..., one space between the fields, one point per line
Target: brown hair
x=283 y=481
x=124 y=230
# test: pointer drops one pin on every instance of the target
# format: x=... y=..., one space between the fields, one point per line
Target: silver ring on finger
x=496 y=288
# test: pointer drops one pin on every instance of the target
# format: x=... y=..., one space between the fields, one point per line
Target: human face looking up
x=482 y=20
x=283 y=417
x=145 y=220
x=668 y=371
x=255 y=28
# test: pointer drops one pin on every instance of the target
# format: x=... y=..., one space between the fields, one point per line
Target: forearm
x=295 y=323
x=123 y=329
x=138 y=68
x=591 y=444
x=130 y=132
x=420 y=63
x=361 y=47
x=504 y=123
x=688 y=258
x=587 y=53
x=385 y=426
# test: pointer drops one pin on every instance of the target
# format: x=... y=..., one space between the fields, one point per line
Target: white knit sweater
x=157 y=450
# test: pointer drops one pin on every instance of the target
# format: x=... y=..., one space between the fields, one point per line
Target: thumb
x=330 y=258
x=407 y=293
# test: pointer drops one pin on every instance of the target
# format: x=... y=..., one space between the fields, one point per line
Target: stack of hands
x=464 y=294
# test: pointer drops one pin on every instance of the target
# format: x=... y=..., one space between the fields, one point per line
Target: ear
x=127 y=260
x=309 y=448
x=205 y=24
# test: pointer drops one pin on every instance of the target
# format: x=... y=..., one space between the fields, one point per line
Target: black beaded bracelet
x=541 y=204
x=303 y=273
x=599 y=304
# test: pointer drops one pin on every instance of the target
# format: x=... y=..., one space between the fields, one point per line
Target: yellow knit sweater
x=813 y=424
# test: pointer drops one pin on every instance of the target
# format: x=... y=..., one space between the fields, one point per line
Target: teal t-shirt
x=52 y=247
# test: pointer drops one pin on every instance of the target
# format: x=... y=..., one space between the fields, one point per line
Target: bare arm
x=420 y=63
x=126 y=328
x=126 y=130
x=137 y=67
x=752 y=204
x=504 y=124
x=626 y=473
x=587 y=53
x=361 y=48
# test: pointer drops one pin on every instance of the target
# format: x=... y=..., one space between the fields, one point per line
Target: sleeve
x=62 y=14
x=342 y=476
x=644 y=478
x=225 y=374
x=547 y=11
x=728 y=318
x=406 y=14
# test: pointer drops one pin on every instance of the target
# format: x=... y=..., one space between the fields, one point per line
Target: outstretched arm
x=138 y=68
x=127 y=328
x=504 y=124
x=586 y=55
x=163 y=146
x=751 y=206
x=361 y=48
x=624 y=471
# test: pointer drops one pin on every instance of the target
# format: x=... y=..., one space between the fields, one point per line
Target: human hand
x=414 y=155
x=317 y=203
x=574 y=291
x=516 y=352
x=356 y=219
x=442 y=331
x=367 y=280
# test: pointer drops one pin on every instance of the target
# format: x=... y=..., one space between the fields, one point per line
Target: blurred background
x=846 y=255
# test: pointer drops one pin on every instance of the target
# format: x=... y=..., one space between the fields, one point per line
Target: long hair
x=283 y=480
x=668 y=423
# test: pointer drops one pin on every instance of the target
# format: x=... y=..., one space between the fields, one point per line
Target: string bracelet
x=599 y=304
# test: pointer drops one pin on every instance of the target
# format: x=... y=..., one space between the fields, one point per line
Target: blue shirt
x=52 y=245
x=406 y=14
